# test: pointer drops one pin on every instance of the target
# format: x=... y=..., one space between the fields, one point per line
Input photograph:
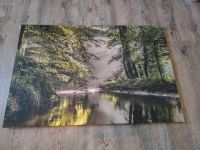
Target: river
x=96 y=108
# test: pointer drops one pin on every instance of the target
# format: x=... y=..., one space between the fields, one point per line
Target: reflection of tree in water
x=75 y=112
x=148 y=113
x=152 y=109
x=79 y=109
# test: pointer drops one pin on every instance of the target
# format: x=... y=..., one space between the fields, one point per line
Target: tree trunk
x=135 y=70
x=129 y=66
x=139 y=72
x=126 y=69
x=145 y=61
x=23 y=48
x=131 y=114
x=158 y=63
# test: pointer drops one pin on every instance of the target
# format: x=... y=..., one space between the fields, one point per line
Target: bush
x=28 y=95
x=147 y=84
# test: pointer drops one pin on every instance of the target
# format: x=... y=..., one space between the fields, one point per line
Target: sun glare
x=89 y=90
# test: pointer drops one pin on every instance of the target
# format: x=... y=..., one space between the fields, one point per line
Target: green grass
x=147 y=84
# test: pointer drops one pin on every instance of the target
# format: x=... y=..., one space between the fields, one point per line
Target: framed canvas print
x=99 y=75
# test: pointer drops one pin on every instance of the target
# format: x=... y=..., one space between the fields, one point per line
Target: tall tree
x=129 y=65
x=158 y=62
x=120 y=36
x=61 y=50
x=151 y=40
x=146 y=72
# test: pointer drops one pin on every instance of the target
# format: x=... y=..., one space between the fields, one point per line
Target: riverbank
x=144 y=93
x=148 y=88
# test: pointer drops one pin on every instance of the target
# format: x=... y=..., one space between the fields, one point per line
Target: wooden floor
x=180 y=17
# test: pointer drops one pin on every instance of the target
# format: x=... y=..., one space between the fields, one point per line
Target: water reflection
x=107 y=108
x=147 y=109
x=69 y=112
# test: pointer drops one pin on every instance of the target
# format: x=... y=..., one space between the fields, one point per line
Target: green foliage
x=149 y=55
x=48 y=56
x=152 y=39
x=30 y=86
x=148 y=84
x=61 y=50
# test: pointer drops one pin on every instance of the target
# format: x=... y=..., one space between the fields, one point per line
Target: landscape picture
x=68 y=75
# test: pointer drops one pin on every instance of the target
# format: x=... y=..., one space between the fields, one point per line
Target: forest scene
x=78 y=75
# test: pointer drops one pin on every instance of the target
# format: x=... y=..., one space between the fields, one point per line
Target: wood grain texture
x=180 y=17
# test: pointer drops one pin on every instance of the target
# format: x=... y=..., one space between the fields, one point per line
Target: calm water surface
x=106 y=108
